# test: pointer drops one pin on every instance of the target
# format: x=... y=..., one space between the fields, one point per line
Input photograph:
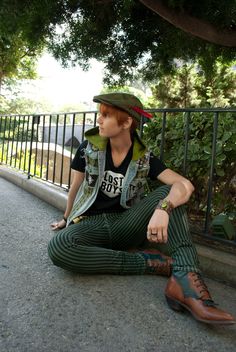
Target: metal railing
x=43 y=145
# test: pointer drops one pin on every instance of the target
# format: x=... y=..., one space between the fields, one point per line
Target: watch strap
x=166 y=205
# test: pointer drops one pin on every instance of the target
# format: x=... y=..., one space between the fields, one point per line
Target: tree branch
x=192 y=25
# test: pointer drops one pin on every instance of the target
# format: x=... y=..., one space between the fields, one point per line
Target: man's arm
x=180 y=192
x=181 y=189
x=77 y=179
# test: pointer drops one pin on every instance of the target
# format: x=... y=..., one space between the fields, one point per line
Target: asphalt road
x=45 y=309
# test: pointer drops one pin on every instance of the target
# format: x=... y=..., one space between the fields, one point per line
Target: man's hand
x=58 y=225
x=157 y=227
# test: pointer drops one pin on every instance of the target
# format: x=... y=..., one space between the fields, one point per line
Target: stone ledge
x=217 y=264
x=49 y=193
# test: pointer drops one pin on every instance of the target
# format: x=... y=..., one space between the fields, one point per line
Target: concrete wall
x=47 y=162
x=45 y=130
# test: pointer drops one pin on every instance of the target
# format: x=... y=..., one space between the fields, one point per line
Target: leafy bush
x=15 y=129
x=199 y=155
x=21 y=161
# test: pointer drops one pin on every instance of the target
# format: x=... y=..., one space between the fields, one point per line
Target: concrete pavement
x=45 y=309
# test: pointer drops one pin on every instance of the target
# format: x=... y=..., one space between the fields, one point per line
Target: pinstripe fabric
x=99 y=244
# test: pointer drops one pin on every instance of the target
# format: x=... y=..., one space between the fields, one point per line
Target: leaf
x=226 y=136
x=220 y=172
x=207 y=150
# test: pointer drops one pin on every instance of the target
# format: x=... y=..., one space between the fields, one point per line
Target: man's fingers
x=165 y=235
x=159 y=235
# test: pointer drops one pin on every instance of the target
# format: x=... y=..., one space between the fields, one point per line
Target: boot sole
x=181 y=307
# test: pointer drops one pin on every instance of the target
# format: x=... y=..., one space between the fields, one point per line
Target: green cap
x=124 y=101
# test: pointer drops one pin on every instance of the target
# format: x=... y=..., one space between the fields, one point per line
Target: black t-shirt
x=108 y=198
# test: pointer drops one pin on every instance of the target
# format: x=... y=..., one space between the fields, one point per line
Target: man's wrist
x=64 y=218
x=166 y=205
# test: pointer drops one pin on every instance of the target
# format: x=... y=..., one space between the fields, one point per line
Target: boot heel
x=174 y=304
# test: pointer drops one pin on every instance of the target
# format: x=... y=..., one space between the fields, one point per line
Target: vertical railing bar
x=49 y=139
x=63 y=146
x=26 y=142
x=211 y=175
x=95 y=119
x=42 y=148
x=1 y=129
x=141 y=127
x=163 y=135
x=71 y=148
x=8 y=140
x=36 y=144
x=83 y=126
x=13 y=139
x=1 y=124
x=17 y=139
x=31 y=144
x=22 y=137
x=187 y=118
x=55 y=149
x=4 y=135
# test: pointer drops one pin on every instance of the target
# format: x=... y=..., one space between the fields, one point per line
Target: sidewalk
x=44 y=308
x=216 y=264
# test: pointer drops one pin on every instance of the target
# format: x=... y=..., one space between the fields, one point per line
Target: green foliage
x=15 y=59
x=20 y=44
x=189 y=86
x=20 y=161
x=133 y=41
x=199 y=154
x=13 y=129
x=127 y=36
x=19 y=105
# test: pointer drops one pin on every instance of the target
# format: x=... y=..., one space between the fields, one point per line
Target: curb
x=215 y=264
x=49 y=193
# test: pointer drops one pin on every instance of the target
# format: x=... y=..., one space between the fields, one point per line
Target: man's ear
x=127 y=124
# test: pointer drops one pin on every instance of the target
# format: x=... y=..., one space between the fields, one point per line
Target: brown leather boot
x=157 y=262
x=188 y=291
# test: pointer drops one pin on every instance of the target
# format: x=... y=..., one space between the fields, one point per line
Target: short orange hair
x=120 y=115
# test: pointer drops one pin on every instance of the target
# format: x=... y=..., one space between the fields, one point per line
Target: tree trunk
x=192 y=25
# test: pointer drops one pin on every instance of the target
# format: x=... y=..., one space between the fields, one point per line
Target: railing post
x=63 y=147
x=163 y=130
x=95 y=119
x=71 y=148
x=83 y=126
x=35 y=120
x=211 y=176
x=187 y=117
x=55 y=149
x=49 y=140
x=4 y=134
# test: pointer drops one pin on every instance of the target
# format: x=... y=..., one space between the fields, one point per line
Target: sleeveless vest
x=134 y=185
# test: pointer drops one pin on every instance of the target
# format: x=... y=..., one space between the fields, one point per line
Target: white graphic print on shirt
x=112 y=184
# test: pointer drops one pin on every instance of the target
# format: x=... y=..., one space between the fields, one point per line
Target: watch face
x=164 y=204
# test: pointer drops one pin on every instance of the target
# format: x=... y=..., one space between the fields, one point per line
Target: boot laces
x=203 y=290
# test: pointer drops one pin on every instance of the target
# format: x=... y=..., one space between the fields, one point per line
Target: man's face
x=108 y=125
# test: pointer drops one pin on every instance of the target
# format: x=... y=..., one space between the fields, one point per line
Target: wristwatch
x=166 y=205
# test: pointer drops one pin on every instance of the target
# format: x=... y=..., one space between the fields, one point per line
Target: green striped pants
x=99 y=244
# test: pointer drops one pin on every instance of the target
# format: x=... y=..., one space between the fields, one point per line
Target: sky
x=59 y=86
